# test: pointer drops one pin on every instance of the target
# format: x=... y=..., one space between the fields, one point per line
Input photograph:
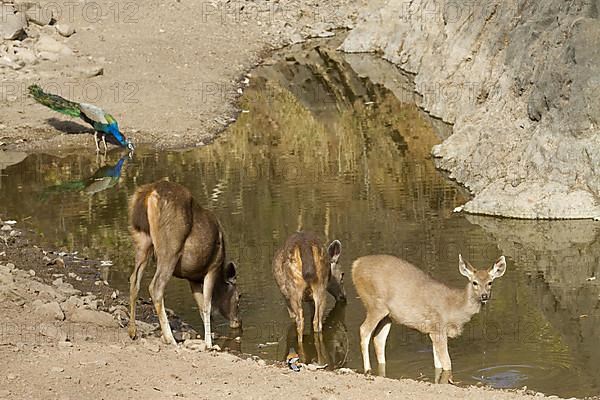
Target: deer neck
x=470 y=304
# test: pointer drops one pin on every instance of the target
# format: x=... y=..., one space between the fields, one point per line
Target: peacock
x=103 y=123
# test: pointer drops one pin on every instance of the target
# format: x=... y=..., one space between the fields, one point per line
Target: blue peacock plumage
x=105 y=125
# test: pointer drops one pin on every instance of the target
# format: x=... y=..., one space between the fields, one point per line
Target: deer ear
x=498 y=269
x=334 y=250
x=230 y=273
x=463 y=268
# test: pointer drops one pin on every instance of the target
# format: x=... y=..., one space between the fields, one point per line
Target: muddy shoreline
x=74 y=332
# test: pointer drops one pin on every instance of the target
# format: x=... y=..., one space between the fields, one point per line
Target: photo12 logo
x=89 y=11
x=80 y=92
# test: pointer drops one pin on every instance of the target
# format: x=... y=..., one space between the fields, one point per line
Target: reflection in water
x=330 y=348
x=323 y=148
x=104 y=178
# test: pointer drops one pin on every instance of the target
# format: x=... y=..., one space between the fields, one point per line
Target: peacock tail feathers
x=55 y=102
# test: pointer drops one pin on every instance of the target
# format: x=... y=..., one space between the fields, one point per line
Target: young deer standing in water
x=188 y=243
x=394 y=289
x=303 y=271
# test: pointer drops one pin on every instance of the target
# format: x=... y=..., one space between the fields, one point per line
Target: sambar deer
x=303 y=271
x=392 y=289
x=187 y=241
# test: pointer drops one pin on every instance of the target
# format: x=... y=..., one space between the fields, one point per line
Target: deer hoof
x=132 y=331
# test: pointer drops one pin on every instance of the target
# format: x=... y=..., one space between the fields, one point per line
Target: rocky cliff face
x=520 y=82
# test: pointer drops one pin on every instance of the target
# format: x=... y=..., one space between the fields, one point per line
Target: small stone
x=181 y=336
x=195 y=344
x=50 y=310
x=114 y=294
x=57 y=369
x=59 y=262
x=65 y=344
x=52 y=331
x=57 y=282
x=261 y=363
x=65 y=30
x=6 y=228
x=12 y=25
x=94 y=317
x=46 y=44
x=38 y=15
x=345 y=371
x=11 y=377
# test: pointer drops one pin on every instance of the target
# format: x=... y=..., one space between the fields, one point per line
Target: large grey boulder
x=519 y=80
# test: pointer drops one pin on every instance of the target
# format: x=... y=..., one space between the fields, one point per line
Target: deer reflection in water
x=328 y=348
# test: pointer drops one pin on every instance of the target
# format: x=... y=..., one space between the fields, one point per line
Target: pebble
x=13 y=24
x=50 y=310
x=93 y=317
x=57 y=369
x=65 y=344
x=90 y=72
x=6 y=228
x=345 y=371
x=39 y=15
x=11 y=377
x=195 y=344
x=47 y=44
x=65 y=30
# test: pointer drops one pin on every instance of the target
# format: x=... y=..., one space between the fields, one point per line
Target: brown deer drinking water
x=394 y=289
x=188 y=243
x=303 y=271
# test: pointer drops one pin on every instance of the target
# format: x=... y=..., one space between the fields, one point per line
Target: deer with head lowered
x=187 y=242
x=392 y=289
x=303 y=271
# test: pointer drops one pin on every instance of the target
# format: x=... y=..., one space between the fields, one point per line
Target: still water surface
x=336 y=145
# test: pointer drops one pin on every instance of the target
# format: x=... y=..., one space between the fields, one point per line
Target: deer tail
x=309 y=272
x=138 y=211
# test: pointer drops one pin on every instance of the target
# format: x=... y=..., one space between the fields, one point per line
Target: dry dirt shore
x=171 y=70
x=63 y=336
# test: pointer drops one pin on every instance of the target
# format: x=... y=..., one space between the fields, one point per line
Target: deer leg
x=199 y=297
x=320 y=303
x=366 y=330
x=296 y=307
x=164 y=271
x=441 y=358
x=143 y=244
x=207 y=291
x=380 y=338
x=322 y=353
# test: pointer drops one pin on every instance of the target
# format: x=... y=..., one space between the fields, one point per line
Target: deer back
x=300 y=262
x=178 y=226
x=394 y=287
